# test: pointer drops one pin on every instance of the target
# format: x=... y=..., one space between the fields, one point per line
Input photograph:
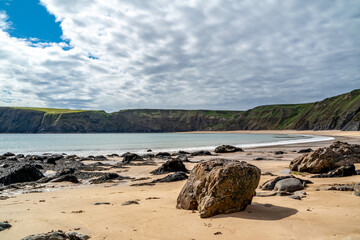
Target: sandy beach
x=70 y=207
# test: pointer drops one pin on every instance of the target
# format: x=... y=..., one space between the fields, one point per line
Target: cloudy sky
x=188 y=54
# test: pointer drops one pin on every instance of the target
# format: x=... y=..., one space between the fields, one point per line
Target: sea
x=119 y=143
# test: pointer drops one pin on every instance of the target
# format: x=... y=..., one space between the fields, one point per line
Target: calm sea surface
x=94 y=144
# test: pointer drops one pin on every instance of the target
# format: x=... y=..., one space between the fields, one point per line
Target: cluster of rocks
x=324 y=160
x=285 y=186
x=219 y=186
x=20 y=169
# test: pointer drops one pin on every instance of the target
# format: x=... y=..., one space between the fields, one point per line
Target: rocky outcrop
x=20 y=174
x=201 y=153
x=340 y=112
x=219 y=186
x=227 y=149
x=325 y=159
x=173 y=165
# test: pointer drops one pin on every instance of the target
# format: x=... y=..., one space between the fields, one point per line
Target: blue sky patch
x=29 y=19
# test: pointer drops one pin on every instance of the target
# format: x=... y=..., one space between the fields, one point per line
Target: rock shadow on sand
x=259 y=211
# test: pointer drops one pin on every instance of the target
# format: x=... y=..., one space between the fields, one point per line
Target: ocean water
x=95 y=144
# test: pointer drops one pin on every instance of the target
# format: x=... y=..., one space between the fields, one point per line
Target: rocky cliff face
x=341 y=112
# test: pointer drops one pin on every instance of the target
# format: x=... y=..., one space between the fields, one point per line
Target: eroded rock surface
x=325 y=159
x=219 y=186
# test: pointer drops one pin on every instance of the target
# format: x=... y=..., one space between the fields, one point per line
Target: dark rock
x=201 y=153
x=343 y=171
x=219 y=186
x=279 y=152
x=113 y=155
x=53 y=158
x=270 y=184
x=288 y=185
x=149 y=150
x=66 y=178
x=101 y=203
x=305 y=150
x=9 y=154
x=38 y=166
x=183 y=158
x=163 y=155
x=100 y=158
x=4 y=225
x=148 y=155
x=325 y=159
x=227 y=149
x=357 y=189
x=19 y=174
x=259 y=158
x=106 y=178
x=129 y=157
x=130 y=202
x=183 y=152
x=178 y=176
x=57 y=235
x=173 y=165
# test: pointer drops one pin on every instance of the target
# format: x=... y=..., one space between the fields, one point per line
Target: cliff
x=341 y=112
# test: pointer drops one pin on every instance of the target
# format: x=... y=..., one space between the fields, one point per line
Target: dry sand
x=321 y=215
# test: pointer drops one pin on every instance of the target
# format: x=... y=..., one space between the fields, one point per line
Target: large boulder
x=19 y=174
x=325 y=159
x=219 y=186
x=173 y=165
x=227 y=149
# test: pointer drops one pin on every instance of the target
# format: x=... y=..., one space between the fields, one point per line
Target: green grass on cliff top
x=51 y=110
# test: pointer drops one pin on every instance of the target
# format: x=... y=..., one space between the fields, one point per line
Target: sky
x=179 y=54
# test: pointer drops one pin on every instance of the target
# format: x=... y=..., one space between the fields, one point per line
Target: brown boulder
x=325 y=159
x=219 y=186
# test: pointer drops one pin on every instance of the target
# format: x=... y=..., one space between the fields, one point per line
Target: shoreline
x=311 y=136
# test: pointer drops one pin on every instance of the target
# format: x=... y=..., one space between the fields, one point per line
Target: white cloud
x=185 y=54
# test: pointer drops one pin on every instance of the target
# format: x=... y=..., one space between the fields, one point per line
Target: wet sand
x=320 y=215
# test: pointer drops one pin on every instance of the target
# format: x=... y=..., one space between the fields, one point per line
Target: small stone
x=102 y=203
x=218 y=233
